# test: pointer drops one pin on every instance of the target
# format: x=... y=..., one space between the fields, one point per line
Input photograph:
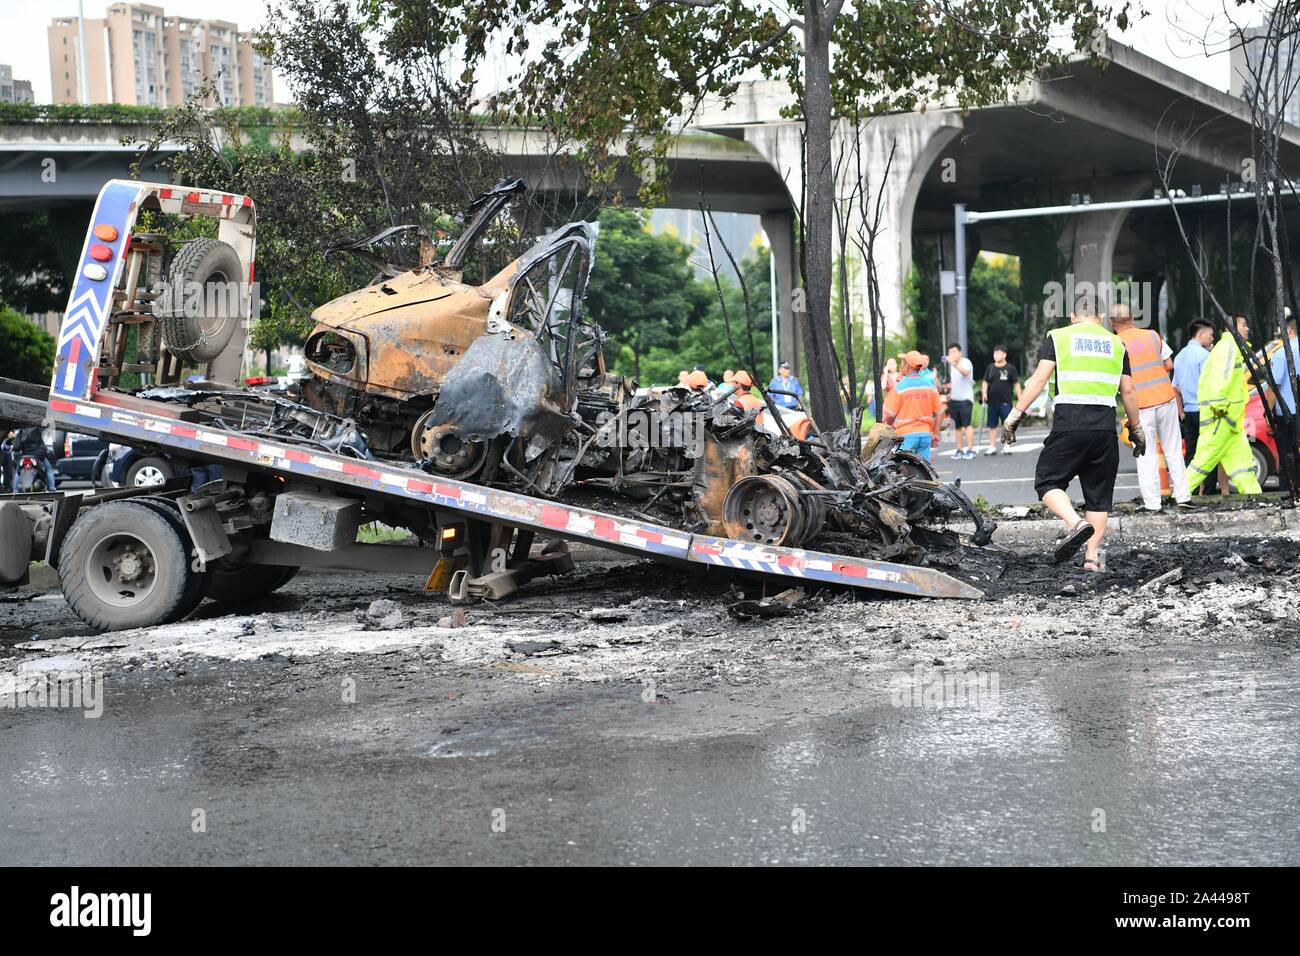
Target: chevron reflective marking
x=88 y=300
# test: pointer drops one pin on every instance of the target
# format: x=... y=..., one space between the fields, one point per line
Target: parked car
x=77 y=457
x=129 y=467
x=1263 y=446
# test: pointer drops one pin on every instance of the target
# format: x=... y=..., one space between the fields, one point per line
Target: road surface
x=1164 y=758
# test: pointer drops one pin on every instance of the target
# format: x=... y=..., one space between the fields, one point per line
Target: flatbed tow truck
x=136 y=557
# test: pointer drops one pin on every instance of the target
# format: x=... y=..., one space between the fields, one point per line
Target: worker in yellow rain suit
x=1222 y=395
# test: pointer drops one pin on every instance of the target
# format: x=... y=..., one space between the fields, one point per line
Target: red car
x=1262 y=443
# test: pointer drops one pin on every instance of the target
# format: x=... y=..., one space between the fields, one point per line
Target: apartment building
x=1247 y=57
x=11 y=90
x=138 y=55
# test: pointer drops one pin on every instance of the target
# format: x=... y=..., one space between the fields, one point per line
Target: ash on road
x=636 y=713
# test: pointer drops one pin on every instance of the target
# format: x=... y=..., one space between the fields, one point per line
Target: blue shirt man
x=1187 y=367
x=1279 y=369
x=786 y=382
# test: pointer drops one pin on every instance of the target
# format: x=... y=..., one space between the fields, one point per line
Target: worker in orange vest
x=743 y=398
x=1159 y=407
x=914 y=407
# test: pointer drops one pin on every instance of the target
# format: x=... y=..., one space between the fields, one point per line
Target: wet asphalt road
x=1191 y=756
x=1009 y=479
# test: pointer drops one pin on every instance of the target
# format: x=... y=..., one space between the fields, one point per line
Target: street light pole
x=959 y=268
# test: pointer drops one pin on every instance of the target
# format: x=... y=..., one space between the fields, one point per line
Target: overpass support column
x=778 y=226
x=1094 y=252
x=898 y=152
x=1096 y=233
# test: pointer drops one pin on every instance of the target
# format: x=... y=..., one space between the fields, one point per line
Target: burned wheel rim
x=121 y=569
x=451 y=455
x=765 y=509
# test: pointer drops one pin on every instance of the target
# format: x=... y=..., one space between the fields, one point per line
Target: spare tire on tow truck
x=200 y=331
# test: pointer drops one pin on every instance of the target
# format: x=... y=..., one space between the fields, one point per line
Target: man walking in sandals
x=1090 y=366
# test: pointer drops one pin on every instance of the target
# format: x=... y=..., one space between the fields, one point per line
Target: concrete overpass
x=1079 y=129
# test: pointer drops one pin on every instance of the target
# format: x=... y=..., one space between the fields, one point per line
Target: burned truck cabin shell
x=505 y=383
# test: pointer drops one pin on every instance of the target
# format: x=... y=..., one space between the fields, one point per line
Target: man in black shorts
x=1000 y=378
x=1090 y=365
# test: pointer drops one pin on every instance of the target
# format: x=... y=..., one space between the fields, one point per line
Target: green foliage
x=376 y=122
x=28 y=353
x=38 y=256
x=609 y=74
x=993 y=310
x=123 y=115
x=642 y=290
x=721 y=342
x=660 y=317
x=890 y=344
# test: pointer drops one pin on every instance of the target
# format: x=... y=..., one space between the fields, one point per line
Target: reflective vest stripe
x=1101 y=378
x=1223 y=376
x=1065 y=398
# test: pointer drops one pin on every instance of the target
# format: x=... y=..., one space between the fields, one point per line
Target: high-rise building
x=1247 y=60
x=11 y=90
x=139 y=55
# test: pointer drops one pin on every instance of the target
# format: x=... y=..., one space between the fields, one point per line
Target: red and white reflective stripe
x=607 y=528
x=796 y=563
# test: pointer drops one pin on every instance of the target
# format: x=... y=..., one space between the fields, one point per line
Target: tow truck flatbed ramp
x=132 y=426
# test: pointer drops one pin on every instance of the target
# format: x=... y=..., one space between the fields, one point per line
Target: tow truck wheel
x=123 y=565
x=234 y=584
x=198 y=577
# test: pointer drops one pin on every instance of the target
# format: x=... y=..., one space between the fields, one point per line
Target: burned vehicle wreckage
x=504 y=384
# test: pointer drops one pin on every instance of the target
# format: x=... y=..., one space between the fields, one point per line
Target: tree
x=617 y=75
x=28 y=353
x=993 y=308
x=1270 y=72
x=660 y=317
x=38 y=256
x=381 y=136
x=642 y=291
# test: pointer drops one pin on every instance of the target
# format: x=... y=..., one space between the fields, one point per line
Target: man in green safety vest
x=1221 y=394
x=1090 y=366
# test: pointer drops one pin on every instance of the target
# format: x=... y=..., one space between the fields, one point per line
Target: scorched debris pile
x=505 y=384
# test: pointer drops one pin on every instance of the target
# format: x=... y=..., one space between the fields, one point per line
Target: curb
x=1136 y=528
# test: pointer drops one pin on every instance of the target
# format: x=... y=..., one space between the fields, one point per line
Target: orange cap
x=742 y=378
x=697 y=379
x=916 y=359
